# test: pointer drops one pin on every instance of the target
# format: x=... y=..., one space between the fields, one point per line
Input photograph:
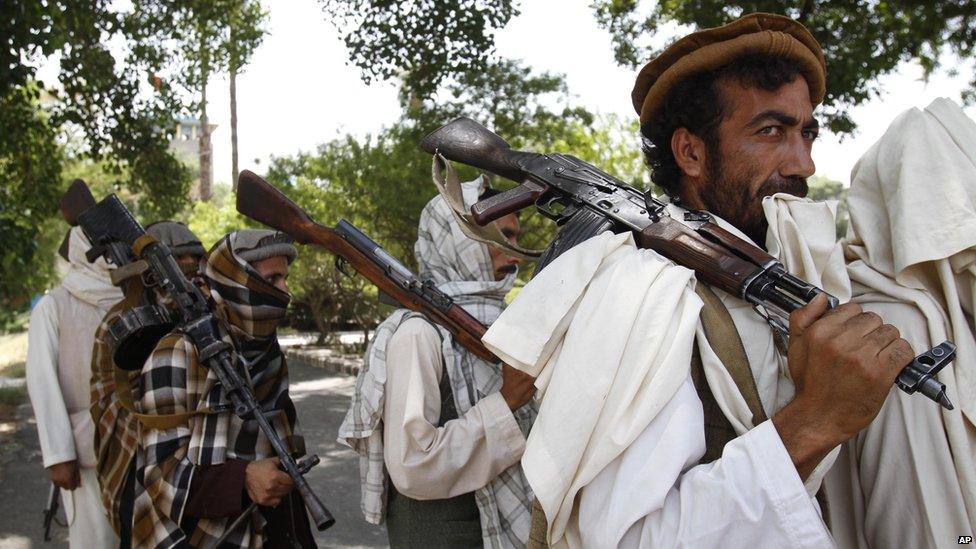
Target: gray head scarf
x=178 y=237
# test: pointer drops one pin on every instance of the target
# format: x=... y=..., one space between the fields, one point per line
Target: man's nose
x=799 y=161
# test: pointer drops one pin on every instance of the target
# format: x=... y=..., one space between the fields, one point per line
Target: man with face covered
x=194 y=479
x=116 y=428
x=658 y=429
x=440 y=431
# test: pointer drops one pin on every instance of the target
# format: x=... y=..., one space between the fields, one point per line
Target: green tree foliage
x=103 y=99
x=30 y=161
x=102 y=108
x=191 y=40
x=823 y=188
x=862 y=41
x=424 y=42
x=427 y=42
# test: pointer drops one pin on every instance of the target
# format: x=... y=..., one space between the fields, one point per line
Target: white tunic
x=60 y=338
x=429 y=462
x=608 y=329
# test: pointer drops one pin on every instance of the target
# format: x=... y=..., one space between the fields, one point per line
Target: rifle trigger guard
x=564 y=209
x=342 y=266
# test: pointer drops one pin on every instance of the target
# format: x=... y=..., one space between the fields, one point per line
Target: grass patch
x=17 y=370
x=13 y=396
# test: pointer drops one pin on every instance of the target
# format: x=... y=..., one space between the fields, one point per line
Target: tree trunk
x=206 y=170
x=233 y=110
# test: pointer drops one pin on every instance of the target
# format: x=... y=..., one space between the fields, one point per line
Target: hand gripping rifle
x=260 y=201
x=589 y=201
x=108 y=225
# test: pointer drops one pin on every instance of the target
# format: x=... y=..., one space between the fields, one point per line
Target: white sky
x=298 y=91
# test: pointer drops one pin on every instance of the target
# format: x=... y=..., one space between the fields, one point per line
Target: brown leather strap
x=725 y=342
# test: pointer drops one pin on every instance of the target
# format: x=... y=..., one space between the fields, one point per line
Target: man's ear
x=689 y=153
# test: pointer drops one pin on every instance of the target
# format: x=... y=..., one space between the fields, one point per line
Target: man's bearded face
x=763 y=148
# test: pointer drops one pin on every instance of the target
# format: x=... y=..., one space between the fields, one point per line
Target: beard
x=727 y=192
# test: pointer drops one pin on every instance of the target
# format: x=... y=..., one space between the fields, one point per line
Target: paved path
x=321 y=399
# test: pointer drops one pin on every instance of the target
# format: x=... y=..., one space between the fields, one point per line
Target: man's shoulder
x=414 y=331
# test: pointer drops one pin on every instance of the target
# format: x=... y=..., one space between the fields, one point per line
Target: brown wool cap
x=709 y=49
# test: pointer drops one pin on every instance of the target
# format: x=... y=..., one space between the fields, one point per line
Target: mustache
x=794 y=185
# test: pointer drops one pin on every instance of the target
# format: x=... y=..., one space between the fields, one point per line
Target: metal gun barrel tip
x=945 y=402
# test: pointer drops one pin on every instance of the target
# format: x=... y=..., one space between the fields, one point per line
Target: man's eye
x=771 y=131
x=811 y=135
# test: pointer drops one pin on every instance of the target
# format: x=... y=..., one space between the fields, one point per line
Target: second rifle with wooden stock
x=586 y=201
x=262 y=202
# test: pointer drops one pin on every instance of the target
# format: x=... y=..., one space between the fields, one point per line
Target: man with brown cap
x=725 y=446
x=194 y=479
x=727 y=120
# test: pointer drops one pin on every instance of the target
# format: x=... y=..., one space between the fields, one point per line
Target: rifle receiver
x=468 y=142
x=259 y=200
x=75 y=201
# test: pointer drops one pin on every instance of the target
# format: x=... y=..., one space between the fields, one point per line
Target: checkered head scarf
x=253 y=306
x=460 y=267
x=250 y=310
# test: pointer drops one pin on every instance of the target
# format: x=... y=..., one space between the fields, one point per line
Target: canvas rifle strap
x=725 y=341
x=448 y=184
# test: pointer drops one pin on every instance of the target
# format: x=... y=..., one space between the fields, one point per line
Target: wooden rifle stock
x=259 y=200
x=468 y=142
x=711 y=262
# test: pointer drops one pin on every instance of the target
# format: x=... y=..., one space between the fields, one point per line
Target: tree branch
x=806 y=10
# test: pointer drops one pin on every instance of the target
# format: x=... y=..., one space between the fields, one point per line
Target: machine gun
x=259 y=200
x=134 y=334
x=111 y=229
x=589 y=201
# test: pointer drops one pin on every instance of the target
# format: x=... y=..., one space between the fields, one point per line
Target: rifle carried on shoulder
x=589 y=201
x=259 y=200
x=117 y=235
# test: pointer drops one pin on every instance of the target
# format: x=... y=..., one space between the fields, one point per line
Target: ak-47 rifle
x=134 y=334
x=111 y=228
x=259 y=200
x=589 y=201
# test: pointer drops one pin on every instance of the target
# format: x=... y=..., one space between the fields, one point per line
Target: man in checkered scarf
x=194 y=479
x=116 y=428
x=439 y=431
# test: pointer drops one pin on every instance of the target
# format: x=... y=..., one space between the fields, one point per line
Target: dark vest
x=447 y=523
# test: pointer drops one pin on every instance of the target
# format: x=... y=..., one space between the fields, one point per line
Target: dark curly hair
x=696 y=104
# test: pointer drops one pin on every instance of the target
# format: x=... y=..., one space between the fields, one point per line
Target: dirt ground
x=321 y=399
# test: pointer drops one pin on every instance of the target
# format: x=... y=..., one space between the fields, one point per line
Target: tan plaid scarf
x=174 y=381
x=116 y=430
x=461 y=267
